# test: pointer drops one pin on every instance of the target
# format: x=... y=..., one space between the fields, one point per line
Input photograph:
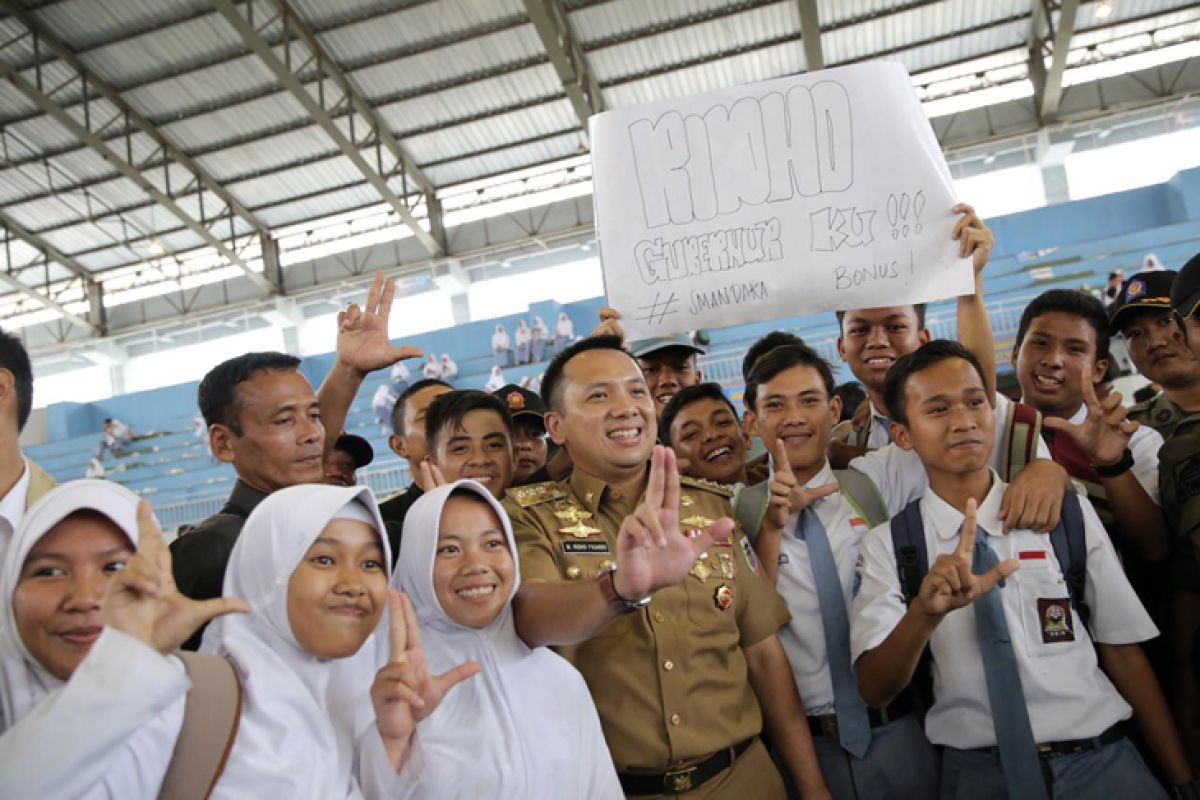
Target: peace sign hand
x=950 y=584
x=362 y=339
x=1105 y=434
x=652 y=552
x=786 y=496
x=142 y=600
x=404 y=693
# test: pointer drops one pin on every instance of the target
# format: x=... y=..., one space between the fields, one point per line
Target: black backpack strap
x=912 y=556
x=1070 y=548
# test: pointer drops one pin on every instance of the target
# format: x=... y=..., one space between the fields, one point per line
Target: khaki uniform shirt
x=1158 y=413
x=669 y=680
x=1179 y=487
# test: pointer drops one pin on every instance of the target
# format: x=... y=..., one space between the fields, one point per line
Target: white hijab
x=301 y=715
x=23 y=681
x=565 y=327
x=495 y=381
x=522 y=333
x=500 y=339
x=524 y=727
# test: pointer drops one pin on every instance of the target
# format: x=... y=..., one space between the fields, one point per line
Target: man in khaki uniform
x=1154 y=338
x=642 y=581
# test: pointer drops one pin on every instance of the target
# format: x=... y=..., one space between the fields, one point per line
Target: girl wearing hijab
x=526 y=726
x=449 y=370
x=540 y=334
x=522 y=342
x=90 y=707
x=495 y=381
x=564 y=332
x=501 y=347
x=431 y=368
x=312 y=563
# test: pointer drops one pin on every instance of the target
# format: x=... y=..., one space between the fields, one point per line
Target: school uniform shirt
x=307 y=729
x=1067 y=694
x=525 y=726
x=900 y=476
x=12 y=508
x=107 y=732
x=804 y=637
x=878 y=435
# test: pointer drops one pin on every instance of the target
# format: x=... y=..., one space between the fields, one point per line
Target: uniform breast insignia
x=574 y=573
x=707 y=485
x=725 y=563
x=535 y=494
x=575 y=519
x=696 y=522
x=1055 y=614
x=700 y=569
x=749 y=555
x=686 y=501
x=723 y=597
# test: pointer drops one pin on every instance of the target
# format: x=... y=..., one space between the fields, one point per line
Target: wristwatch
x=617 y=603
x=1123 y=465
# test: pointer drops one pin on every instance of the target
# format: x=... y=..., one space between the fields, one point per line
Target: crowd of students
x=627 y=585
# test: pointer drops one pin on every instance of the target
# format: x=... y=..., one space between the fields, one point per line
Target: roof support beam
x=88 y=132
x=1047 y=40
x=810 y=36
x=322 y=109
x=554 y=28
x=52 y=253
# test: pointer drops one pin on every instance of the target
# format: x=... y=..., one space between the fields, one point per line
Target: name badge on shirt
x=1057 y=623
x=576 y=546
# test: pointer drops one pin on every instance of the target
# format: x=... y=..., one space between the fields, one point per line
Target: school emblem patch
x=1136 y=289
x=748 y=555
x=515 y=400
x=723 y=597
x=1055 y=615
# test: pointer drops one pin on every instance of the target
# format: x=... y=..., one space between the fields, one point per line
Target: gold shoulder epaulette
x=536 y=493
x=707 y=485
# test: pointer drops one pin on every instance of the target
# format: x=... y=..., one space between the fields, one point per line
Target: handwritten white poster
x=809 y=193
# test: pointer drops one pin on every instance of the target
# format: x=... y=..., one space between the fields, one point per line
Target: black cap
x=359 y=449
x=1185 y=292
x=521 y=401
x=1143 y=290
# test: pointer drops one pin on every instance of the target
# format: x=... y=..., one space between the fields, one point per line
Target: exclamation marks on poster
x=904 y=214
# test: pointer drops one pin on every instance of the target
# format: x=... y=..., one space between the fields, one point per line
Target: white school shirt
x=881 y=429
x=804 y=637
x=1144 y=445
x=900 y=476
x=12 y=508
x=1067 y=694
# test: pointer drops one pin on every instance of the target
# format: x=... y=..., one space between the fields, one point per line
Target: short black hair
x=554 y=370
x=449 y=410
x=217 y=396
x=684 y=397
x=919 y=308
x=783 y=358
x=409 y=391
x=15 y=359
x=924 y=357
x=765 y=345
x=853 y=395
x=1068 y=301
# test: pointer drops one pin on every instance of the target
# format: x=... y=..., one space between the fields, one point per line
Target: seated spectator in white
x=564 y=332
x=534 y=731
x=381 y=405
x=350 y=453
x=494 y=381
x=22 y=481
x=95 y=469
x=501 y=347
x=539 y=337
x=431 y=368
x=400 y=377
x=1151 y=263
x=522 y=339
x=525 y=382
x=449 y=369
x=116 y=436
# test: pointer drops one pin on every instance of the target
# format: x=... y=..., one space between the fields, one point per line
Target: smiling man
x=641 y=580
x=669 y=364
x=702 y=427
x=469 y=434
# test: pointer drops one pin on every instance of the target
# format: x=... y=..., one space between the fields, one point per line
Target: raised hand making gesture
x=362 y=339
x=950 y=583
x=142 y=600
x=404 y=693
x=652 y=551
x=1105 y=433
x=786 y=495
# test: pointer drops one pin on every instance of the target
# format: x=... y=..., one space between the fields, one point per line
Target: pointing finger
x=452 y=677
x=656 y=486
x=824 y=490
x=207 y=610
x=994 y=575
x=671 y=481
x=385 y=302
x=374 y=292
x=779 y=456
x=966 y=541
x=411 y=628
x=1089 y=389
x=397 y=630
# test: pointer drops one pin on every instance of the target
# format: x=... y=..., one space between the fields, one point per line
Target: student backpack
x=912 y=563
x=211 y=714
x=750 y=506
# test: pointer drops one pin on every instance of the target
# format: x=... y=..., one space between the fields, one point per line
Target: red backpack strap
x=1022 y=430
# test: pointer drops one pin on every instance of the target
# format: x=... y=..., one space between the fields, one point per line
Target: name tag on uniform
x=576 y=547
x=1057 y=623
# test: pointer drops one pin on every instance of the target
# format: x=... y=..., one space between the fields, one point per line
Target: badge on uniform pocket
x=1057 y=623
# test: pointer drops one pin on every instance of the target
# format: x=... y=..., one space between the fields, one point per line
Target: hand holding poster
x=808 y=193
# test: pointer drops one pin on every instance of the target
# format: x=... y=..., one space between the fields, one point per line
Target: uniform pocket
x=1051 y=626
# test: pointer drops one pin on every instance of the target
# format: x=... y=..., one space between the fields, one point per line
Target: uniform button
x=616 y=494
x=659 y=616
x=668 y=665
x=675 y=720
